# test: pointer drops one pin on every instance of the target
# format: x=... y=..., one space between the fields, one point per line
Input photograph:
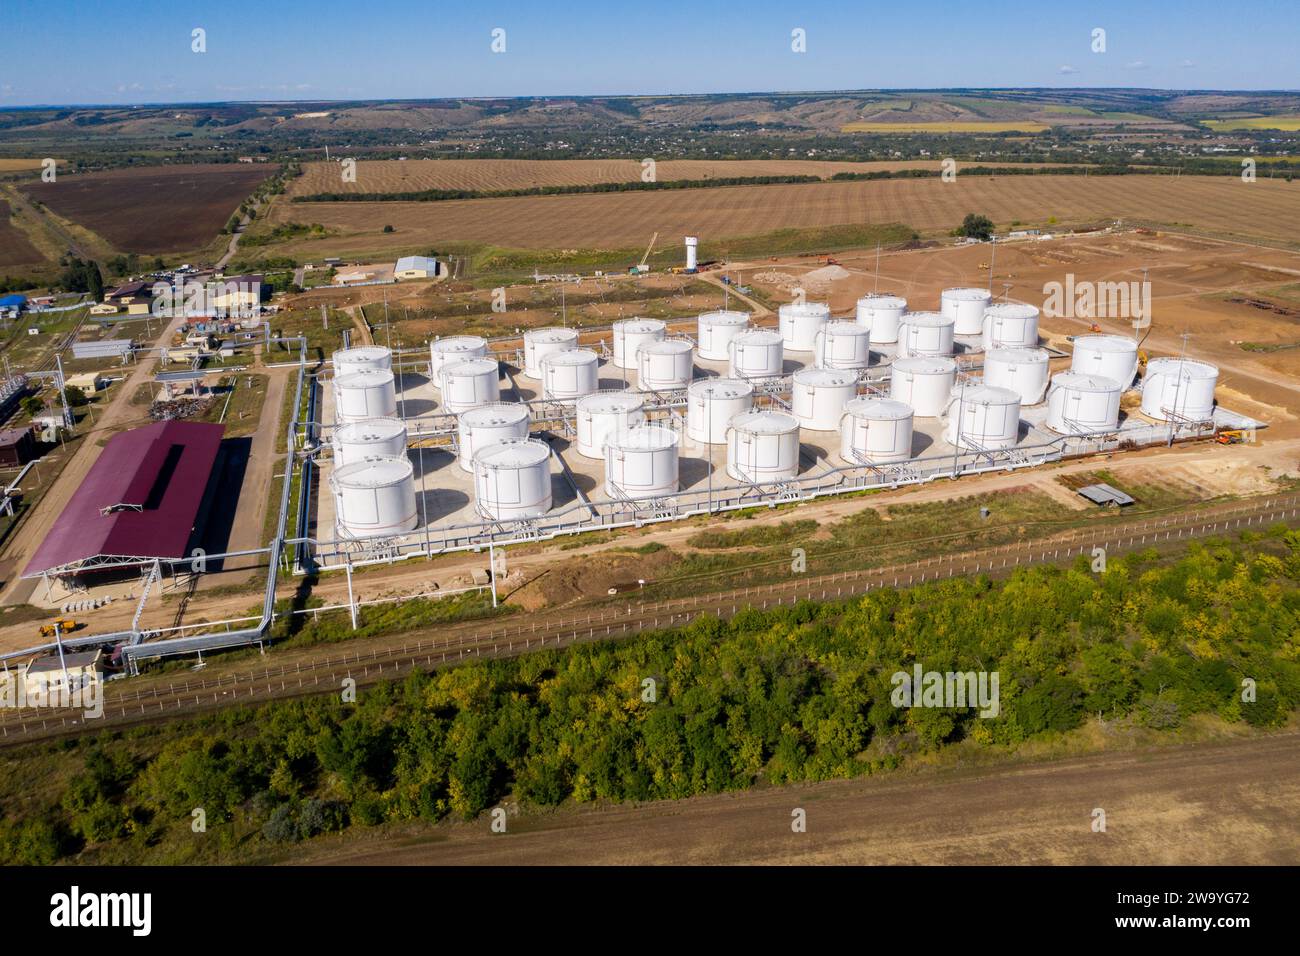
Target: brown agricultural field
x=157 y=209
x=15 y=249
x=1265 y=210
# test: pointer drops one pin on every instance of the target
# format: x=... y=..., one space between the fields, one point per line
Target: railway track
x=315 y=670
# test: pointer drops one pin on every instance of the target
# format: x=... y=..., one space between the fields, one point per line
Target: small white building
x=416 y=267
x=47 y=676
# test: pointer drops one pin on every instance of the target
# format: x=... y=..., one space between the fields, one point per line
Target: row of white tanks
x=962 y=312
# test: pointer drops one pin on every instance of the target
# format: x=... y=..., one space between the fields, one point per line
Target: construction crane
x=641 y=266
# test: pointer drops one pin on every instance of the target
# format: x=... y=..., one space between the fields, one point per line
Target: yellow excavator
x=59 y=627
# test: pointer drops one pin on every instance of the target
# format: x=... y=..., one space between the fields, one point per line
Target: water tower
x=692 y=244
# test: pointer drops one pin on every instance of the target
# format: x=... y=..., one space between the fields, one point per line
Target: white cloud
x=1188 y=64
x=1136 y=65
x=1067 y=69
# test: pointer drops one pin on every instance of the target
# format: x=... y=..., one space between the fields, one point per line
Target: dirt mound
x=591 y=576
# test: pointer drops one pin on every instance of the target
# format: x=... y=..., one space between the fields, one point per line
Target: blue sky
x=139 y=51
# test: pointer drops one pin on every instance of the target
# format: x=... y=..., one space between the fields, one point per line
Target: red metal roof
x=140 y=499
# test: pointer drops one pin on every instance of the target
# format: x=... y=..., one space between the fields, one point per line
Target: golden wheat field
x=1264 y=209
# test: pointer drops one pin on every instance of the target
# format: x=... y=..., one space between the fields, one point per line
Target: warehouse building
x=416 y=267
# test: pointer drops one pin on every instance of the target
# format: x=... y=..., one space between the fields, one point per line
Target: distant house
x=129 y=290
x=17 y=447
x=416 y=267
x=54 y=674
x=105 y=308
x=354 y=277
x=12 y=306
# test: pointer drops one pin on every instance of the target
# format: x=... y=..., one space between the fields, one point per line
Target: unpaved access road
x=1234 y=802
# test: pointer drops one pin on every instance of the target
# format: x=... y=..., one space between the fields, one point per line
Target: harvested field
x=1220 y=205
x=15 y=249
x=973 y=126
x=156 y=209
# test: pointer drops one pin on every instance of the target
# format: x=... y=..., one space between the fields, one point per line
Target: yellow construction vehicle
x=57 y=627
x=1142 y=360
x=1230 y=437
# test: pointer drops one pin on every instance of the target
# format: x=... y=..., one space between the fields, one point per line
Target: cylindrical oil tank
x=924 y=382
x=1010 y=325
x=716 y=330
x=758 y=353
x=454 y=348
x=876 y=430
x=512 y=479
x=469 y=384
x=570 y=373
x=800 y=324
x=925 y=333
x=347 y=361
x=843 y=344
x=820 y=394
x=371 y=437
x=631 y=334
x=1179 y=389
x=712 y=403
x=966 y=309
x=1024 y=371
x=665 y=366
x=375 y=496
x=604 y=414
x=488 y=424
x=641 y=462
x=369 y=393
x=1110 y=356
x=540 y=342
x=882 y=315
x=983 y=418
x=1082 y=404
x=763 y=446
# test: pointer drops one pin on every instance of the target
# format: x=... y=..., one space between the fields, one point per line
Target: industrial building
x=416 y=267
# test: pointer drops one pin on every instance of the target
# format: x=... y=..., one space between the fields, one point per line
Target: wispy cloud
x=1136 y=65
x=1067 y=69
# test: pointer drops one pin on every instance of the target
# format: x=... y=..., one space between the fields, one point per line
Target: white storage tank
x=641 y=462
x=712 y=403
x=1082 y=404
x=763 y=446
x=347 y=361
x=1024 y=371
x=369 y=393
x=631 y=334
x=604 y=414
x=469 y=384
x=925 y=333
x=716 y=330
x=1179 y=389
x=923 y=382
x=570 y=373
x=882 y=315
x=819 y=396
x=843 y=344
x=375 y=496
x=1111 y=356
x=876 y=430
x=800 y=324
x=758 y=353
x=512 y=479
x=487 y=424
x=983 y=418
x=454 y=348
x=1010 y=325
x=541 y=342
x=665 y=366
x=369 y=438
x=966 y=309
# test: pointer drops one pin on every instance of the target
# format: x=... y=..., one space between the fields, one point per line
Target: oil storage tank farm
x=966 y=309
x=1179 y=389
x=843 y=344
x=1010 y=325
x=540 y=342
x=631 y=334
x=512 y=479
x=371 y=437
x=763 y=446
x=488 y=424
x=875 y=431
x=715 y=330
x=453 y=348
x=1080 y=404
x=925 y=333
x=469 y=384
x=800 y=323
x=1024 y=371
x=570 y=373
x=1110 y=356
x=819 y=395
x=758 y=353
x=374 y=497
x=712 y=403
x=923 y=382
x=882 y=315
x=665 y=366
x=983 y=418
x=604 y=414
x=360 y=358
x=368 y=393
x=641 y=462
